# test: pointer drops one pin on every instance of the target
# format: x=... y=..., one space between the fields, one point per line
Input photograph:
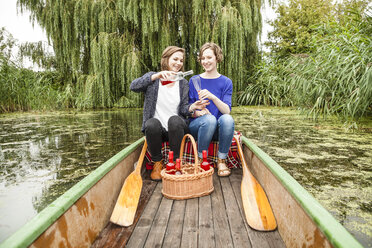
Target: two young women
x=167 y=107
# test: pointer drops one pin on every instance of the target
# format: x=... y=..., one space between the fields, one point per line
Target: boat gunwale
x=30 y=231
x=337 y=235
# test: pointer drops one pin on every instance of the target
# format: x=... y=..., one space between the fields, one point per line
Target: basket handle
x=194 y=148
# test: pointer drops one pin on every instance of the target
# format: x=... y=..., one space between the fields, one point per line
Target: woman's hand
x=203 y=94
x=199 y=105
x=199 y=108
x=222 y=107
x=163 y=75
x=201 y=113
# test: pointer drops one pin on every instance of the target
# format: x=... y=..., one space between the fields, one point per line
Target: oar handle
x=141 y=157
x=240 y=150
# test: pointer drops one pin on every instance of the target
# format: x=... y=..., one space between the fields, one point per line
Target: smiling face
x=208 y=60
x=172 y=59
x=175 y=62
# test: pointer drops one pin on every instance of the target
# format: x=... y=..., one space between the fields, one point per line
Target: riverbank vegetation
x=23 y=89
x=319 y=59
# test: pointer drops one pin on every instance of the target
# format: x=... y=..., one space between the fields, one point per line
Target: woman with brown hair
x=166 y=107
x=214 y=122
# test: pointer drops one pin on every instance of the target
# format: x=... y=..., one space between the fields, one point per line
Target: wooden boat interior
x=216 y=220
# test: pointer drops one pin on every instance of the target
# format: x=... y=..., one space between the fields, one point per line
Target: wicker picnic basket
x=194 y=181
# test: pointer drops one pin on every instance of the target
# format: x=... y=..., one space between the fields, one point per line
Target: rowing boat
x=81 y=216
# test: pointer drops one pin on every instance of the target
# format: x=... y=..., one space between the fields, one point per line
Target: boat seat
x=188 y=156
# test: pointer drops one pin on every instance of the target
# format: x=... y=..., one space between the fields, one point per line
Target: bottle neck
x=180 y=75
x=187 y=73
x=170 y=157
x=204 y=156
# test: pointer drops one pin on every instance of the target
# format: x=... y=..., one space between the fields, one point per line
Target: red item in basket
x=178 y=167
x=171 y=168
x=205 y=165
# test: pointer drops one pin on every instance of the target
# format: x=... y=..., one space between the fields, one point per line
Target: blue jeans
x=207 y=127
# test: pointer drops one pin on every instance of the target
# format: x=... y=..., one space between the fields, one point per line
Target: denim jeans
x=207 y=127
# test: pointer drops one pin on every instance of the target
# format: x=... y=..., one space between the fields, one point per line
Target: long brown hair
x=167 y=53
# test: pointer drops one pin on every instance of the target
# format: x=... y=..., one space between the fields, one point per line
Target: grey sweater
x=150 y=88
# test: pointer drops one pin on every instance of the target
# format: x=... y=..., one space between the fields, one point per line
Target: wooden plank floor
x=216 y=220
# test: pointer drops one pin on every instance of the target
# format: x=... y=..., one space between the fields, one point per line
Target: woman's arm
x=222 y=107
x=140 y=84
x=162 y=74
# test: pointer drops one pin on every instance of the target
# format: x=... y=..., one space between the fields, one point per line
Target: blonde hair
x=215 y=48
x=167 y=53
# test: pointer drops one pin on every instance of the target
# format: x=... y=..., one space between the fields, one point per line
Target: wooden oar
x=256 y=206
x=126 y=205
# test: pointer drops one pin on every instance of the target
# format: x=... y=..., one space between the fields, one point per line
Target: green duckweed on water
x=330 y=160
x=44 y=154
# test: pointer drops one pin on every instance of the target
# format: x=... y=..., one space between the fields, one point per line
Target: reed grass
x=267 y=86
x=335 y=79
x=23 y=89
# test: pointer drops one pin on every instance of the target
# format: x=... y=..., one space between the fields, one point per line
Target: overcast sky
x=19 y=24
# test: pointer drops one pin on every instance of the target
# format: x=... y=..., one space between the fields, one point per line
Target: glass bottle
x=170 y=168
x=205 y=165
x=178 y=167
x=180 y=75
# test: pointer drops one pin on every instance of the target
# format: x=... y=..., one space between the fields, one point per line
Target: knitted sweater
x=150 y=88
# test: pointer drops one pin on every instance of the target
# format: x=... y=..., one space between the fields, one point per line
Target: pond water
x=43 y=155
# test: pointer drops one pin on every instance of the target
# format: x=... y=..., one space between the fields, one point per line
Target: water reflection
x=43 y=155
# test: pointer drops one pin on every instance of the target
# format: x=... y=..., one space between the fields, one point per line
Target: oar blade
x=257 y=209
x=256 y=206
x=126 y=205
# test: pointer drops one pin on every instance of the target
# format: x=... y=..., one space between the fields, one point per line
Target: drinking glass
x=197 y=83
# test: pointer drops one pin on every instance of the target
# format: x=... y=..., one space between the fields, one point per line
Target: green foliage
x=102 y=45
x=335 y=78
x=293 y=26
x=23 y=89
x=38 y=53
x=7 y=42
x=268 y=86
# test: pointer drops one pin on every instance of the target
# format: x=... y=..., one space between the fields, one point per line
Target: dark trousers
x=156 y=134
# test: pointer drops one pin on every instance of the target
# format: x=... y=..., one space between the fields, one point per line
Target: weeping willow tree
x=102 y=45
